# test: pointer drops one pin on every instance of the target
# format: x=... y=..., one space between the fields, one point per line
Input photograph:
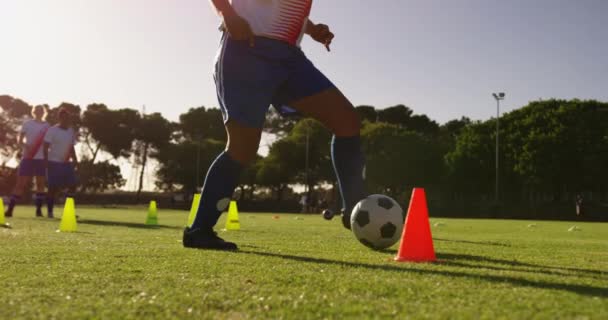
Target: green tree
x=112 y=131
x=398 y=159
x=367 y=113
x=13 y=112
x=177 y=168
x=153 y=132
x=200 y=123
x=99 y=177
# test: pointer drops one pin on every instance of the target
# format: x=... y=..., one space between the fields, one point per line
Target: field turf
x=297 y=267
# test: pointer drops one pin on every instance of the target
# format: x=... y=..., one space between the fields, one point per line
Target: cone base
x=66 y=231
x=416 y=260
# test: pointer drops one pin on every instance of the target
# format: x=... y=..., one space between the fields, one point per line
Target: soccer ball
x=377 y=221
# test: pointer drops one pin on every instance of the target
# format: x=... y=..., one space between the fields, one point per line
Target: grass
x=305 y=268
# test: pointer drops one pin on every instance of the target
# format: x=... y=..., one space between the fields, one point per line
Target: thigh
x=333 y=110
x=247 y=78
x=312 y=94
x=40 y=183
x=21 y=184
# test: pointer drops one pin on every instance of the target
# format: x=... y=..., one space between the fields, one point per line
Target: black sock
x=39 y=200
x=50 y=203
x=12 y=202
x=221 y=180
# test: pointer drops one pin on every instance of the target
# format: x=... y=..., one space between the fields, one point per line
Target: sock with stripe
x=222 y=178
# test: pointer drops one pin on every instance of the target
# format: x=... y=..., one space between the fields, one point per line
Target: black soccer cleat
x=346 y=219
x=206 y=239
x=8 y=213
x=328 y=214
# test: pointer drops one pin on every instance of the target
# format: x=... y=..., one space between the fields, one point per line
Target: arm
x=320 y=33
x=45 y=151
x=73 y=156
x=237 y=27
x=223 y=7
x=21 y=145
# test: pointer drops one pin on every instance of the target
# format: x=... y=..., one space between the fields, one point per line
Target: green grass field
x=297 y=268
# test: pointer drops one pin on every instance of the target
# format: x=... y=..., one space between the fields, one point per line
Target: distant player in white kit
x=32 y=163
x=60 y=158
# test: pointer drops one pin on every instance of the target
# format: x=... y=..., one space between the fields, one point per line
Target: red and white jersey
x=278 y=19
x=34 y=132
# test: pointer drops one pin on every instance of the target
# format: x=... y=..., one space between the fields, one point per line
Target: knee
x=242 y=155
x=349 y=124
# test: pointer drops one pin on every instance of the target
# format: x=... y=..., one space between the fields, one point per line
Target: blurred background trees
x=550 y=151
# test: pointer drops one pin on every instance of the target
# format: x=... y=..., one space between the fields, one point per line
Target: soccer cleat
x=328 y=214
x=39 y=214
x=346 y=219
x=203 y=239
x=8 y=213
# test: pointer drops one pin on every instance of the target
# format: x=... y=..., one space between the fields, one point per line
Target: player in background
x=32 y=163
x=60 y=158
x=260 y=63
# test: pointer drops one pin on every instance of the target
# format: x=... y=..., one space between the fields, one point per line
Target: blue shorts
x=273 y=72
x=61 y=175
x=32 y=168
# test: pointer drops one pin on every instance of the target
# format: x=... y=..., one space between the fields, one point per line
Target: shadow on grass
x=514 y=265
x=125 y=224
x=486 y=243
x=574 y=288
x=448 y=258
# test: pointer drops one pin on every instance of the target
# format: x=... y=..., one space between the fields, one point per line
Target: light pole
x=498 y=96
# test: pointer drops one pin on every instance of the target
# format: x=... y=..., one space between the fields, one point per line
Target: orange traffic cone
x=417 y=241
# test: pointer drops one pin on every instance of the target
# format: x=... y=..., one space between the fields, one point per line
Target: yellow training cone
x=68 y=219
x=152 y=219
x=2 y=219
x=193 y=209
x=232 y=222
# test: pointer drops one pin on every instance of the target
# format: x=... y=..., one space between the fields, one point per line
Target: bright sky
x=442 y=58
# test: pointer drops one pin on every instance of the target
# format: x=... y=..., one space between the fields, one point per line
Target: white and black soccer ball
x=377 y=221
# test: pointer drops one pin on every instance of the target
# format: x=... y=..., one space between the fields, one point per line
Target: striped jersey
x=278 y=19
x=34 y=132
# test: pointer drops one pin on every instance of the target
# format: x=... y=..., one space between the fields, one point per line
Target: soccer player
x=32 y=163
x=260 y=63
x=60 y=158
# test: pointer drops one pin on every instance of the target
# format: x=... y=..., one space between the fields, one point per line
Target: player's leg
x=336 y=113
x=220 y=183
x=246 y=79
x=16 y=195
x=40 y=181
x=50 y=200
x=55 y=184
x=24 y=175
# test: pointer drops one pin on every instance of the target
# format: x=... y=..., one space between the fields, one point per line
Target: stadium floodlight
x=498 y=97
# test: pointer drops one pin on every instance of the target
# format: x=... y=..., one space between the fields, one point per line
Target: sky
x=442 y=58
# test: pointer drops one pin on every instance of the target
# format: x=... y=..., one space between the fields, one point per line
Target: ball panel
x=388 y=230
x=385 y=203
x=362 y=218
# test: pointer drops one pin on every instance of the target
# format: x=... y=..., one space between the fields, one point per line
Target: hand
x=321 y=33
x=239 y=29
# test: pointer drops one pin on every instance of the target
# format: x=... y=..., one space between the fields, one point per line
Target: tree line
x=550 y=150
